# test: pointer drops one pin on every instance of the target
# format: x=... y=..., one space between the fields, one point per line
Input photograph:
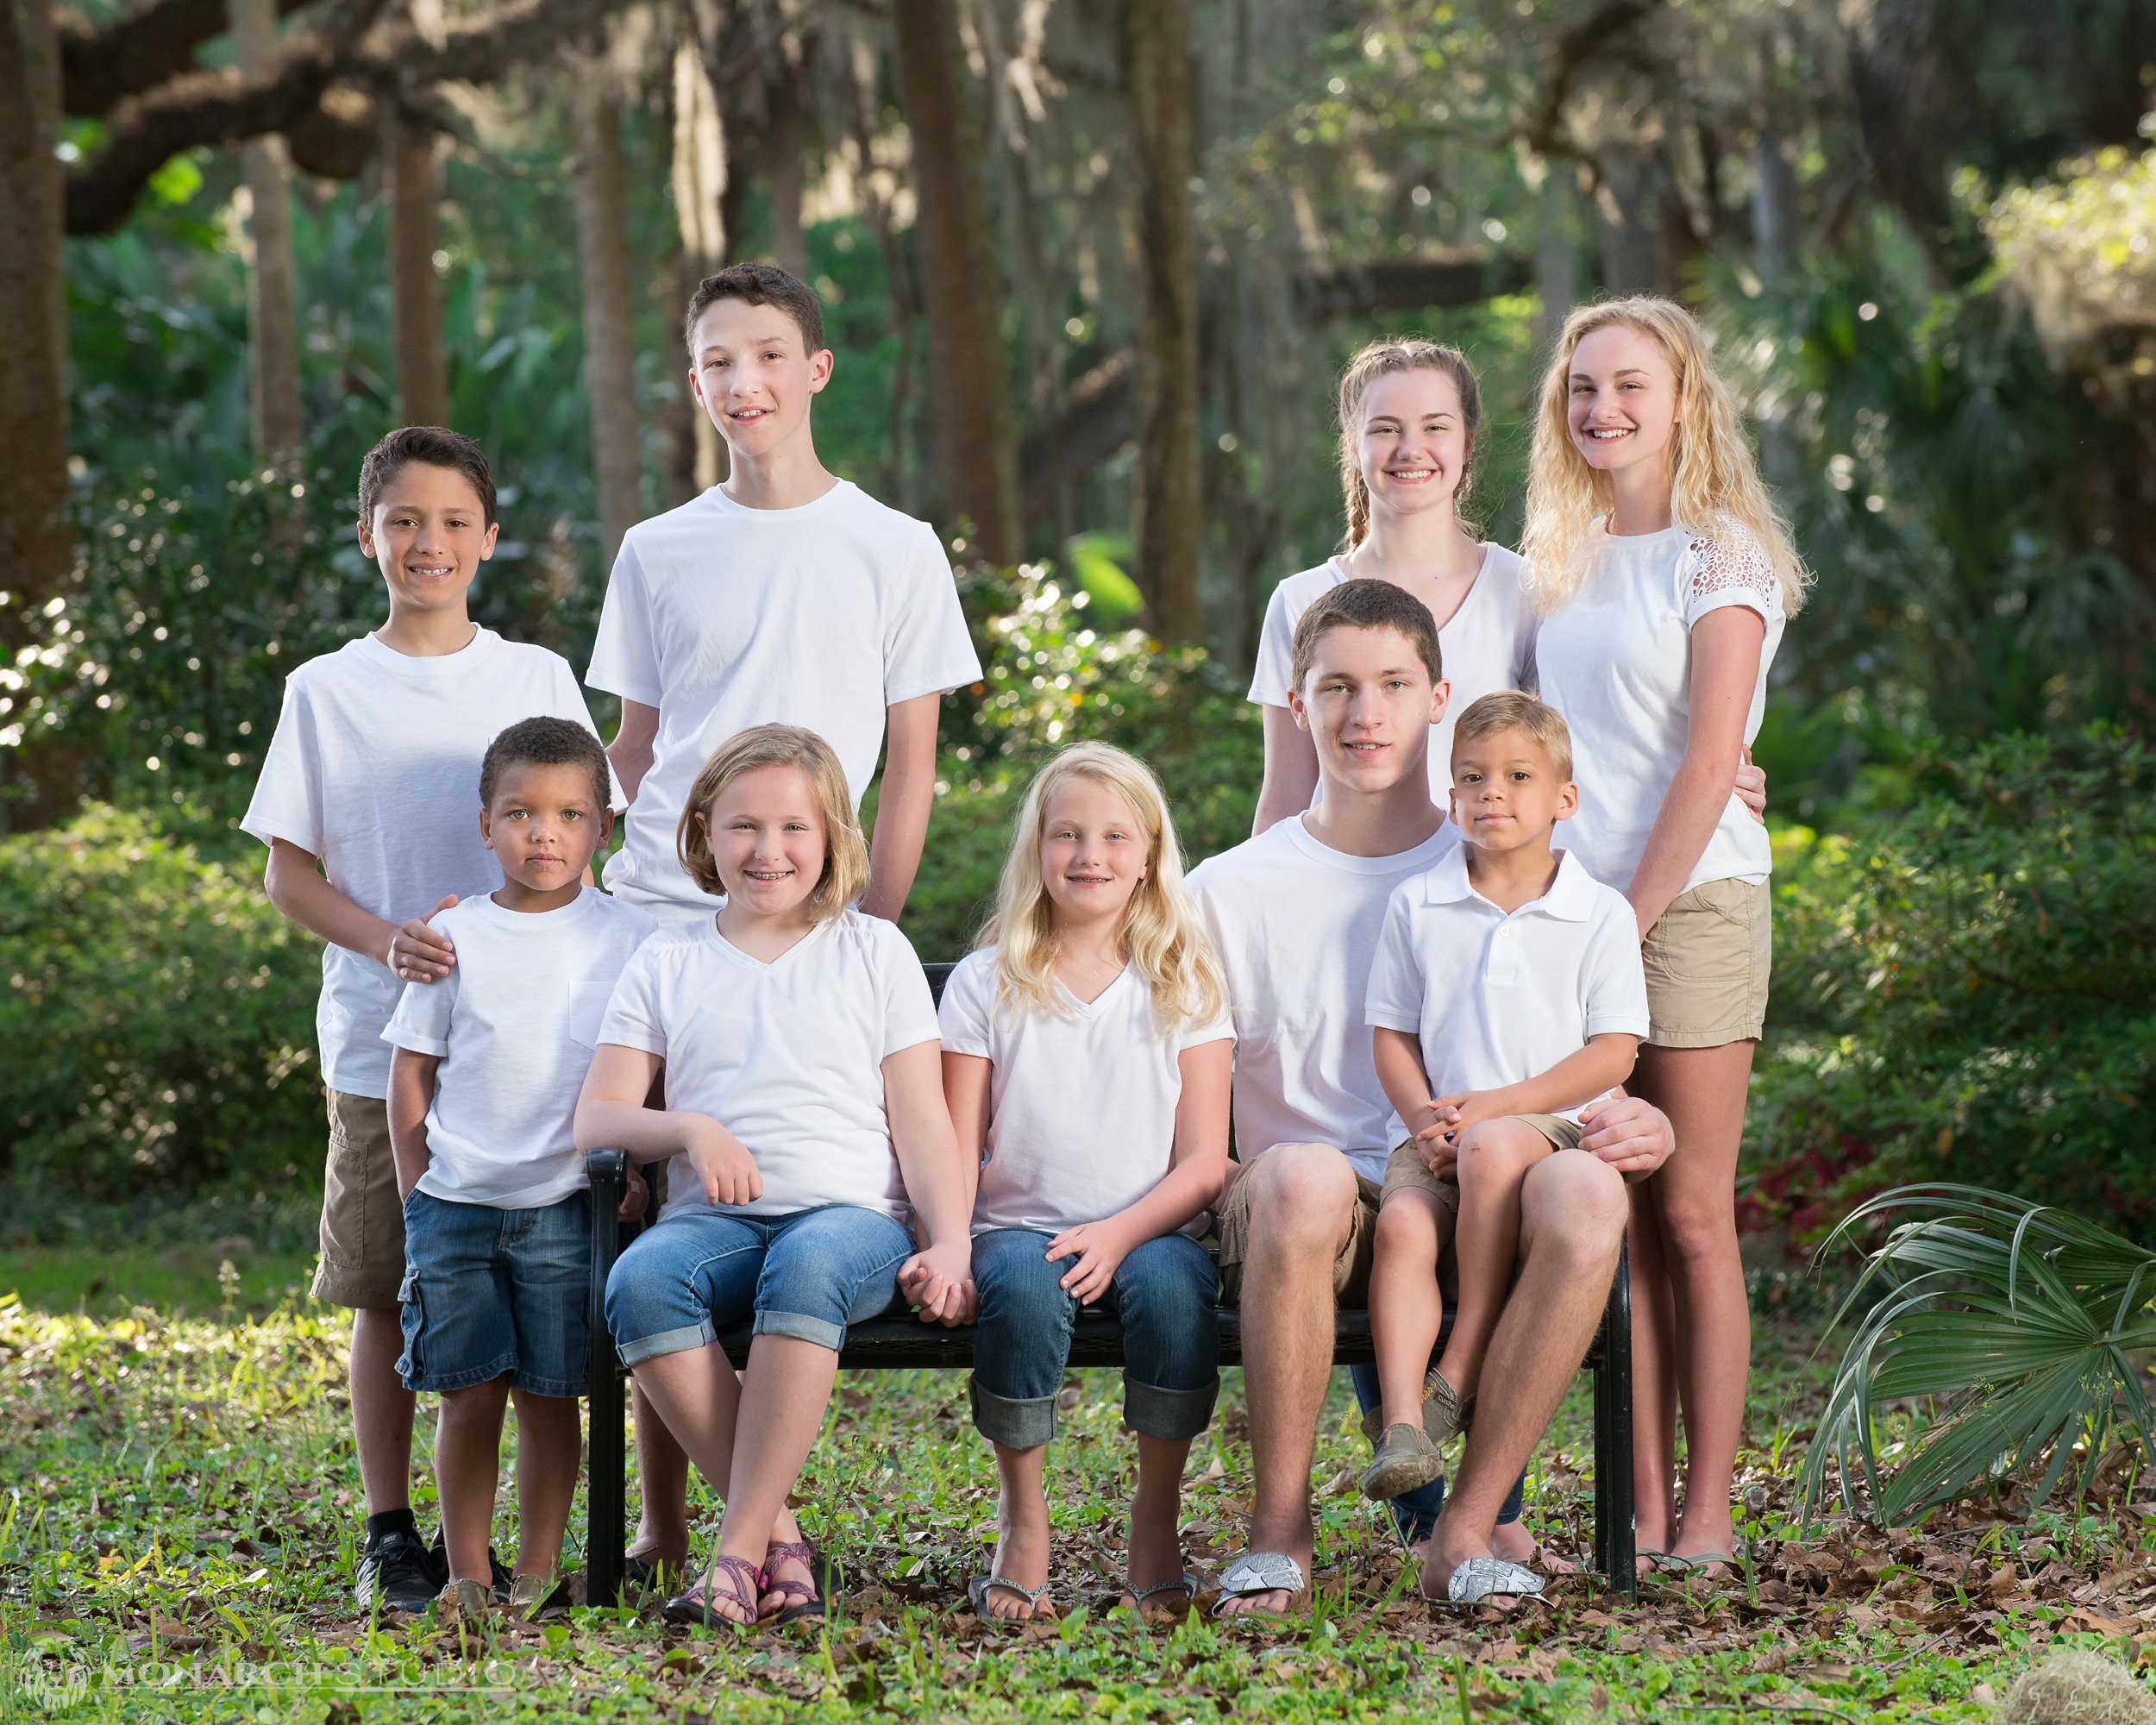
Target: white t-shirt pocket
x=587 y=1011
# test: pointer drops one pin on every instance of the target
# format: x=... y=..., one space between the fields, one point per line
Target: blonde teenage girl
x=1663 y=575
x=799 y=1046
x=1410 y=411
x=1087 y=1053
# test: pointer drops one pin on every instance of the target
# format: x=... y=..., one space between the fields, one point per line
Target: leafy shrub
x=1971 y=994
x=158 y=1016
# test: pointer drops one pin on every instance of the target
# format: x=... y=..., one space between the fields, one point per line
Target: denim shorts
x=808 y=1274
x=488 y=1292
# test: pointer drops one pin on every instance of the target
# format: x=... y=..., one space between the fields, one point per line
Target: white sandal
x=1479 y=1580
x=1260 y=1573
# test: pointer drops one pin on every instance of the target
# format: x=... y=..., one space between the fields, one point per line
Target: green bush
x=1970 y=995
x=158 y=1017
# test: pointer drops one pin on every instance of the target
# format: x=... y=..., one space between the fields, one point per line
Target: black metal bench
x=904 y=1343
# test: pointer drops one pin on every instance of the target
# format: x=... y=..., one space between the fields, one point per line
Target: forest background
x=1090 y=271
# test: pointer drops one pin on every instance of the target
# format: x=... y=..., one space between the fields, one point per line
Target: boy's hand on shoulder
x=722 y=1162
x=1099 y=1249
x=938 y=1283
x=420 y=953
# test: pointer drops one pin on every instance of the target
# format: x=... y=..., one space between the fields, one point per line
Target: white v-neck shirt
x=1500 y=997
x=1297 y=924
x=788 y=1055
x=1081 y=1120
x=1616 y=661
x=374 y=767
x=1488 y=645
x=723 y=617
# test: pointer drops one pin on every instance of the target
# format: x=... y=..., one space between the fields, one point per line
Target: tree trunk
x=273 y=293
x=784 y=142
x=1165 y=506
x=1628 y=208
x=1556 y=252
x=976 y=453
x=1773 y=208
x=610 y=343
x=422 y=365
x=699 y=193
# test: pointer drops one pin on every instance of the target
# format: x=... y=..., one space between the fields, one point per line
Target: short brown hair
x=845 y=852
x=546 y=742
x=436 y=445
x=1510 y=710
x=759 y=285
x=1367 y=605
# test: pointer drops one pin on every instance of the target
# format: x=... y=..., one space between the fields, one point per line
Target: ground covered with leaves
x=181 y=1514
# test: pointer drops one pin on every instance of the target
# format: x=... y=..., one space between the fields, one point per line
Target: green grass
x=181 y=1504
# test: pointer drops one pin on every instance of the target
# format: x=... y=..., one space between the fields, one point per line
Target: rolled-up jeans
x=1415 y=1513
x=1165 y=1292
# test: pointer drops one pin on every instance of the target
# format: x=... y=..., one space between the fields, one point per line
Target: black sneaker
x=396 y=1573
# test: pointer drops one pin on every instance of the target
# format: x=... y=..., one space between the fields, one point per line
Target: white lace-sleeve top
x=1617 y=662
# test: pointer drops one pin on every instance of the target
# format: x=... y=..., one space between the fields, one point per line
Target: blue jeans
x=1165 y=1294
x=808 y=1274
x=1415 y=1513
x=490 y=1292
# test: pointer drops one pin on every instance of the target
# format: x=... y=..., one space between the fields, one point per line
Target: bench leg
x=606 y=1498
x=1615 y=1554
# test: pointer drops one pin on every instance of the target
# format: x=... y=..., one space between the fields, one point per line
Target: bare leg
x=662 y=1468
x=1301 y=1209
x=549 y=1447
x=467 y=1451
x=1495 y=1159
x=1156 y=1545
x=1572 y=1223
x=382 y=1408
x=696 y=1393
x=1653 y=1383
x=1694 y=1194
x=1406 y=1310
x=1021 y=1535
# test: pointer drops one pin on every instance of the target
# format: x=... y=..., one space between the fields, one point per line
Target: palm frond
x=2019 y=1324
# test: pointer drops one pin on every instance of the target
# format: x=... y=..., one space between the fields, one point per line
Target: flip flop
x=1262 y=1573
x=977 y=1593
x=1671 y=1564
x=1479 y=1580
x=1186 y=1583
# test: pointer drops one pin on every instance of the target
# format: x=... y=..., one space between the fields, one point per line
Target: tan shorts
x=362 y=1222
x=1405 y=1168
x=1707 y=961
x=1350 y=1265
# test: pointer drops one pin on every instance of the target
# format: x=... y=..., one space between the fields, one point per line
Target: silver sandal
x=1476 y=1581
x=977 y=1594
x=1259 y=1572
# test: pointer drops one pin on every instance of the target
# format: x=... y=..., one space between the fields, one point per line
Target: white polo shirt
x=1498 y=999
x=788 y=1055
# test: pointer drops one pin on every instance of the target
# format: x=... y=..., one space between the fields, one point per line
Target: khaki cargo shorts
x=362 y=1222
x=1406 y=1168
x=1350 y=1265
x=1708 y=960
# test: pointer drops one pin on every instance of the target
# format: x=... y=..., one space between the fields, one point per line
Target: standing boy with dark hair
x=784 y=595
x=366 y=804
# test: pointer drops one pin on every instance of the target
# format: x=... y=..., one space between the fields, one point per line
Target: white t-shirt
x=1295 y=923
x=516 y=1023
x=1617 y=662
x=1500 y=998
x=1083 y=1102
x=724 y=618
x=1487 y=646
x=788 y=1057
x=375 y=769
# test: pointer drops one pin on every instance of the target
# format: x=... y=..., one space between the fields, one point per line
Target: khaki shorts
x=1350 y=1265
x=1406 y=1170
x=362 y=1222
x=1707 y=961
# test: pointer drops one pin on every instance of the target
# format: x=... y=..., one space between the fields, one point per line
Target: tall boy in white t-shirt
x=366 y=804
x=1506 y=996
x=482 y=1096
x=784 y=595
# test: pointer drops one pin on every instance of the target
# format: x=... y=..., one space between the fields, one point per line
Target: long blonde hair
x=845 y=852
x=1160 y=933
x=1715 y=478
x=1383 y=359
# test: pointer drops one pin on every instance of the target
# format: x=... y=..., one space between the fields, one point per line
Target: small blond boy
x=1506 y=996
